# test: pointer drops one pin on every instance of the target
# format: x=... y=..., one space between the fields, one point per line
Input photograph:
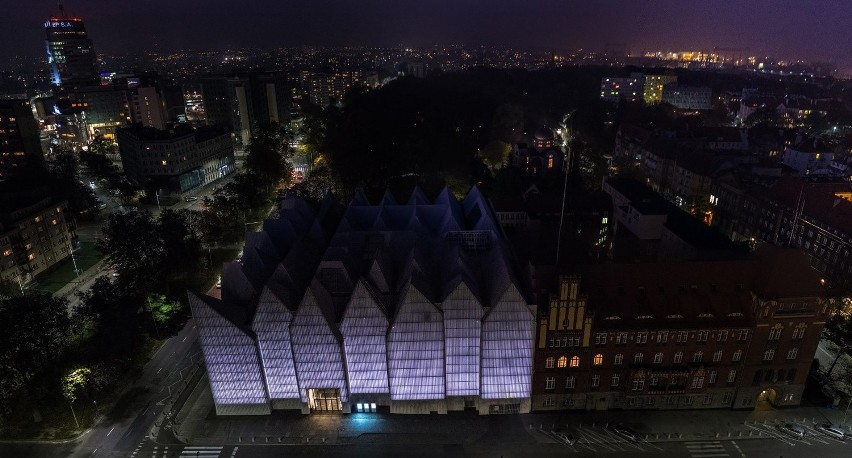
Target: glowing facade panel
x=416 y=350
x=232 y=363
x=462 y=329
x=316 y=350
x=272 y=327
x=508 y=334
x=364 y=330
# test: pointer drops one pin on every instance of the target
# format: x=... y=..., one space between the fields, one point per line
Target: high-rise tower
x=69 y=51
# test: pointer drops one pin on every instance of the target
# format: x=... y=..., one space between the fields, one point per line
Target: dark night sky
x=810 y=29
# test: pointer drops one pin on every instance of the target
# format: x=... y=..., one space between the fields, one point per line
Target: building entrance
x=324 y=400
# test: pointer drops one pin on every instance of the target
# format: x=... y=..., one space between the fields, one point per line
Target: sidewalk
x=199 y=425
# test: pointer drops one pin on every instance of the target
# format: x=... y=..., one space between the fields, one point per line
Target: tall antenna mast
x=61 y=10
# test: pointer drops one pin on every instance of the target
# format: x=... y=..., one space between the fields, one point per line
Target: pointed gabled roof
x=270 y=303
x=262 y=242
x=449 y=199
x=418 y=197
x=205 y=307
x=511 y=296
x=258 y=266
x=364 y=289
x=237 y=289
x=360 y=198
x=389 y=199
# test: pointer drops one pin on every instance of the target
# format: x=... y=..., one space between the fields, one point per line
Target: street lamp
x=73 y=259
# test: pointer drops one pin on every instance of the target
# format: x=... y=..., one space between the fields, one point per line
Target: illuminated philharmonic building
x=410 y=307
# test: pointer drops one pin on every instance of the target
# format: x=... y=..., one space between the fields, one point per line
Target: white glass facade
x=409 y=306
x=462 y=329
x=364 y=330
x=416 y=350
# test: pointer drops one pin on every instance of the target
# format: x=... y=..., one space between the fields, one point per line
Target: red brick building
x=722 y=334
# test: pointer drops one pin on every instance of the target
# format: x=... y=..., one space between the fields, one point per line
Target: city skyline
x=654 y=25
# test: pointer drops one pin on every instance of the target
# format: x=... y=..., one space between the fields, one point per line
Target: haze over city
x=425 y=229
x=788 y=29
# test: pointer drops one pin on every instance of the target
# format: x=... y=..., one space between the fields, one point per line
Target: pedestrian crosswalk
x=706 y=449
x=200 y=451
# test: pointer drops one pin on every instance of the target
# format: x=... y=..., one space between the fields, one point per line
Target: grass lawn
x=62 y=273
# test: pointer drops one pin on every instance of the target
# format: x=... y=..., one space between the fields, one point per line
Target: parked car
x=832 y=430
x=190 y=199
x=564 y=436
x=219 y=283
x=625 y=432
x=792 y=429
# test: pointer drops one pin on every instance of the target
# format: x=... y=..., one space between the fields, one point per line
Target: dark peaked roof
x=389 y=249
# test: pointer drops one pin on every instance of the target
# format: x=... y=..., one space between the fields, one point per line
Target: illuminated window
x=598 y=359
x=164 y=162
x=550 y=162
x=775 y=333
x=31 y=256
x=7 y=252
x=563 y=361
x=575 y=361
x=38 y=219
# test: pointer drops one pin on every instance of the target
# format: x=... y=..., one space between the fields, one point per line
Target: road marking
x=736 y=446
x=158 y=370
x=94 y=451
x=771 y=432
x=234 y=452
x=706 y=449
x=184 y=339
x=201 y=451
x=110 y=431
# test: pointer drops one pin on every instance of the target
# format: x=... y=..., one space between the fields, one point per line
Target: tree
x=495 y=154
x=222 y=219
x=110 y=311
x=66 y=183
x=33 y=332
x=767 y=116
x=131 y=246
x=508 y=123
x=180 y=245
x=838 y=330
x=162 y=310
x=267 y=155
x=74 y=381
